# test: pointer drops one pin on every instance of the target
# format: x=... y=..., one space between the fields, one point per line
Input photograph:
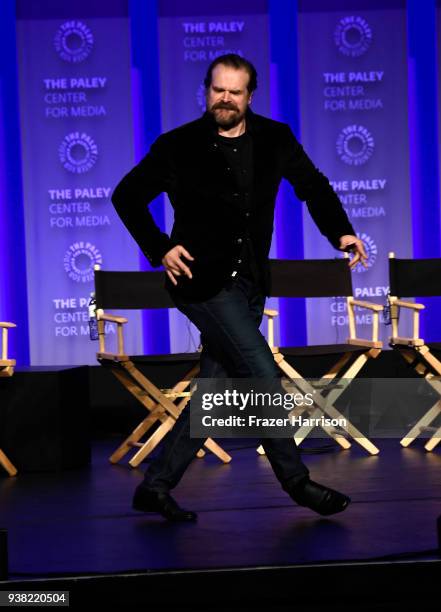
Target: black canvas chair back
x=415 y=277
x=310 y=278
x=131 y=290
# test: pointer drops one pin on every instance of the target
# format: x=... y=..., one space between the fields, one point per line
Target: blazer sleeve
x=313 y=187
x=153 y=175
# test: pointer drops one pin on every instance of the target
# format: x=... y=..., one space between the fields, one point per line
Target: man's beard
x=226 y=119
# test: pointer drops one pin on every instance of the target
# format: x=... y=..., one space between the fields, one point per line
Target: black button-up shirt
x=238 y=152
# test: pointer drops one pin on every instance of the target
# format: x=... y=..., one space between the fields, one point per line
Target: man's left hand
x=354 y=245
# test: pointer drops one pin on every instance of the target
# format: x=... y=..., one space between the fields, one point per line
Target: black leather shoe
x=321 y=499
x=153 y=501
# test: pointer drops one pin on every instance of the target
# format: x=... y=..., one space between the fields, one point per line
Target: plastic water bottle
x=93 y=321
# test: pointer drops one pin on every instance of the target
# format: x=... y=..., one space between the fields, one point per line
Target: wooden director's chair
x=409 y=278
x=6 y=370
x=143 y=290
x=317 y=279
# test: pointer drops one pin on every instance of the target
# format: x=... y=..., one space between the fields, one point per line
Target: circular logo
x=78 y=152
x=353 y=36
x=371 y=251
x=79 y=261
x=200 y=97
x=355 y=144
x=73 y=41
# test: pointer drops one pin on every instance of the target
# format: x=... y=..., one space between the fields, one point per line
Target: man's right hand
x=174 y=265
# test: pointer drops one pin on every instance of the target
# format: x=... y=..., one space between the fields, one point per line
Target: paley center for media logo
x=80 y=259
x=353 y=36
x=78 y=152
x=355 y=145
x=73 y=41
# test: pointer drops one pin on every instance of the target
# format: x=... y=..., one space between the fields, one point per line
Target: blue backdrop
x=424 y=151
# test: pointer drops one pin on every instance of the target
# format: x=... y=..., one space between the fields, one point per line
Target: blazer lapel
x=261 y=154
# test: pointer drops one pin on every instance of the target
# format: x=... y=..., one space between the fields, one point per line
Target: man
x=221 y=173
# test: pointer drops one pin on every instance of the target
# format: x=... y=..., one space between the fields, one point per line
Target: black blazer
x=188 y=165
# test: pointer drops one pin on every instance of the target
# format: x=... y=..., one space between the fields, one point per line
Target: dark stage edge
x=75 y=530
x=362 y=586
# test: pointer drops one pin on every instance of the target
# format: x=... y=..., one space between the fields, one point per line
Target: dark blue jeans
x=233 y=346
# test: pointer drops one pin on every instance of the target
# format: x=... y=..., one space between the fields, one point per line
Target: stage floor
x=81 y=521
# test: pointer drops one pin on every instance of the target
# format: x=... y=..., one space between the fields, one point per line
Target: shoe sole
x=172 y=520
x=345 y=504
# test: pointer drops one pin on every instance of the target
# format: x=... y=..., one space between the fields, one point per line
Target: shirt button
x=239 y=241
x=247 y=214
x=239 y=261
x=235 y=150
x=229 y=169
x=235 y=195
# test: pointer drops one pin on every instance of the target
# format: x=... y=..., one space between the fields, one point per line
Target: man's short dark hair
x=233 y=61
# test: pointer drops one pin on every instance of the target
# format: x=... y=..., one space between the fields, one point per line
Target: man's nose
x=226 y=97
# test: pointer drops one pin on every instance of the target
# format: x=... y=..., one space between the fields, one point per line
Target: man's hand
x=354 y=245
x=174 y=265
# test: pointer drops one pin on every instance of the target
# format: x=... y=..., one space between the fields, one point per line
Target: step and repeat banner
x=76 y=132
x=191 y=35
x=438 y=48
x=354 y=126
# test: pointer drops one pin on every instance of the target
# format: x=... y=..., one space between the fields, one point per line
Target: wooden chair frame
x=418 y=355
x=164 y=406
x=6 y=370
x=325 y=393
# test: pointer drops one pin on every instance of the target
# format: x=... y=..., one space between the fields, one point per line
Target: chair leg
x=148 y=387
x=353 y=432
x=430 y=359
x=9 y=467
x=152 y=442
x=326 y=404
x=155 y=411
x=422 y=423
x=217 y=450
x=422 y=367
x=134 y=437
x=337 y=367
x=160 y=407
x=303 y=431
x=434 y=440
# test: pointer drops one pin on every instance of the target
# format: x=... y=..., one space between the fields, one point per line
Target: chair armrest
x=268 y=312
x=368 y=305
x=120 y=321
x=100 y=314
x=4 y=348
x=271 y=313
x=411 y=305
x=376 y=309
x=395 y=305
